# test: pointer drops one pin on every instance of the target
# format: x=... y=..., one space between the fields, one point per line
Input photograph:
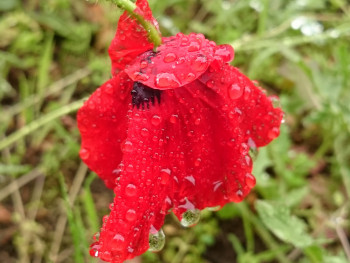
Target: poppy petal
x=131 y=38
x=141 y=198
x=102 y=122
x=178 y=61
x=245 y=104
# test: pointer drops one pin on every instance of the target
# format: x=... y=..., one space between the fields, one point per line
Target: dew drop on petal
x=273 y=133
x=156 y=240
x=84 y=153
x=156 y=120
x=145 y=132
x=194 y=46
x=167 y=80
x=200 y=64
x=190 y=217
x=165 y=175
x=170 y=57
x=190 y=76
x=250 y=180
x=131 y=215
x=235 y=91
x=127 y=147
x=225 y=52
x=130 y=190
x=118 y=242
x=174 y=118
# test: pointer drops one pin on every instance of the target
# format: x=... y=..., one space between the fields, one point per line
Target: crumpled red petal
x=245 y=104
x=102 y=122
x=179 y=61
x=131 y=38
x=187 y=154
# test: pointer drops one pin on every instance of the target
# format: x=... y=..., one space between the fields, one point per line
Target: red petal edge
x=102 y=122
x=131 y=38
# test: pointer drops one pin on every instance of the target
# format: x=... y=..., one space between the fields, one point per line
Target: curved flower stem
x=153 y=34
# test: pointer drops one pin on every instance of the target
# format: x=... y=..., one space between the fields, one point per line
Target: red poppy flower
x=171 y=130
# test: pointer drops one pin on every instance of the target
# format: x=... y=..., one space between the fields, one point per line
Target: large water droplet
x=194 y=46
x=156 y=120
x=130 y=190
x=127 y=147
x=235 y=91
x=200 y=64
x=250 y=180
x=84 y=153
x=131 y=215
x=190 y=217
x=170 y=57
x=156 y=240
x=225 y=52
x=118 y=242
x=167 y=80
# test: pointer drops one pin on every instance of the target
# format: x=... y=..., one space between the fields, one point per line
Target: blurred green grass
x=53 y=55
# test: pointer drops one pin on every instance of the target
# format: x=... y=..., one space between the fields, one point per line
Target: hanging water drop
x=250 y=180
x=190 y=217
x=156 y=240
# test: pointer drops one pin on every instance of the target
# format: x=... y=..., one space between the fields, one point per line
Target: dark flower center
x=143 y=95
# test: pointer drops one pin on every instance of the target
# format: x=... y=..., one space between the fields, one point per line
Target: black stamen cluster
x=143 y=95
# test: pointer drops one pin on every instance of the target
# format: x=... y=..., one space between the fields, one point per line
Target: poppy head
x=170 y=131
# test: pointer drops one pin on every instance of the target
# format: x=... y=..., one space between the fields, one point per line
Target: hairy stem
x=153 y=33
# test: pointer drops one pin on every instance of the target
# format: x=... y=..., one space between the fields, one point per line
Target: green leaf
x=280 y=222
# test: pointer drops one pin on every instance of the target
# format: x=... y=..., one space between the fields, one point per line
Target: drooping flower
x=171 y=130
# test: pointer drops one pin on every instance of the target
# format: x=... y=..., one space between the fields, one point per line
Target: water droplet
x=235 y=91
x=94 y=249
x=143 y=64
x=273 y=133
x=170 y=57
x=210 y=83
x=130 y=190
x=156 y=240
x=156 y=120
x=84 y=153
x=131 y=215
x=198 y=162
x=197 y=121
x=118 y=242
x=165 y=175
x=167 y=80
x=174 y=118
x=190 y=217
x=250 y=180
x=200 y=64
x=127 y=147
x=145 y=132
x=194 y=46
x=190 y=77
x=225 y=52
x=109 y=88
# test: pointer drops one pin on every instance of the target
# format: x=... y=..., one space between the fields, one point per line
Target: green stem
x=40 y=122
x=153 y=33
